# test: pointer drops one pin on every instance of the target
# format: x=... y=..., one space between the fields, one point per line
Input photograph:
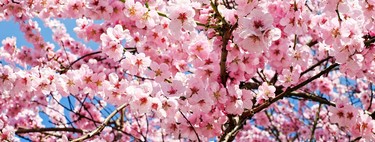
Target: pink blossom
x=181 y=17
x=266 y=91
x=190 y=70
x=160 y=72
x=9 y=44
x=173 y=89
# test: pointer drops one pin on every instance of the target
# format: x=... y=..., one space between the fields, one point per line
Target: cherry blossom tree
x=190 y=70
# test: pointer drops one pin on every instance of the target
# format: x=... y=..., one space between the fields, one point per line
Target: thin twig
x=356 y=139
x=230 y=133
x=25 y=138
x=315 y=65
x=372 y=95
x=369 y=41
x=84 y=56
x=140 y=128
x=66 y=53
x=295 y=42
x=191 y=125
x=295 y=95
x=16 y=2
x=308 y=7
x=70 y=103
x=38 y=130
x=101 y=127
x=313 y=98
x=147 y=127
x=338 y=13
x=315 y=123
x=80 y=58
x=277 y=134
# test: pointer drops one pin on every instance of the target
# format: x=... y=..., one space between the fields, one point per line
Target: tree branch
x=231 y=131
x=80 y=58
x=101 y=127
x=371 y=97
x=369 y=41
x=312 y=97
x=16 y=2
x=315 y=65
x=191 y=125
x=39 y=130
x=315 y=123
x=312 y=43
x=250 y=86
x=273 y=128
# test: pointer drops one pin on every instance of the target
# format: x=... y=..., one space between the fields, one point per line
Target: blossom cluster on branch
x=191 y=70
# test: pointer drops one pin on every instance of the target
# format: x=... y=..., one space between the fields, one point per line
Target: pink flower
x=253 y=44
x=159 y=72
x=75 y=8
x=9 y=44
x=175 y=88
x=140 y=101
x=117 y=32
x=290 y=77
x=255 y=32
x=255 y=24
x=363 y=127
x=234 y=105
x=149 y=19
x=228 y=14
x=343 y=114
x=247 y=99
x=111 y=42
x=294 y=24
x=218 y=93
x=135 y=64
x=201 y=102
x=7 y=78
x=266 y=91
x=133 y=10
x=200 y=47
x=181 y=18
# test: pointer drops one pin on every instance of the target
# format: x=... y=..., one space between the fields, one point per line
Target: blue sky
x=11 y=28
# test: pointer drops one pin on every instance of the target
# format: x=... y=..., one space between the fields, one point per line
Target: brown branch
x=312 y=97
x=273 y=127
x=140 y=128
x=373 y=115
x=84 y=56
x=16 y=2
x=40 y=130
x=369 y=41
x=80 y=58
x=371 y=97
x=338 y=13
x=223 y=59
x=102 y=126
x=356 y=139
x=226 y=33
x=308 y=7
x=315 y=65
x=274 y=78
x=315 y=123
x=232 y=130
x=250 y=86
x=295 y=40
x=191 y=125
x=312 y=43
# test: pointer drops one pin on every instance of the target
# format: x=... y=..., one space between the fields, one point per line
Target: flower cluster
x=189 y=70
